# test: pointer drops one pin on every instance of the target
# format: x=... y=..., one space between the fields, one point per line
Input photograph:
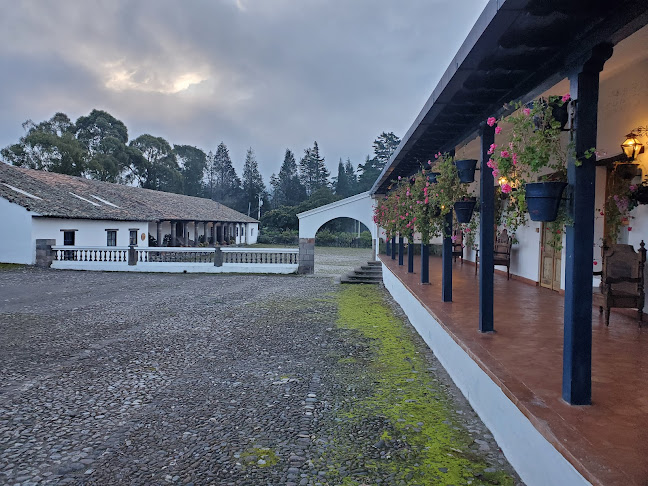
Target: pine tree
x=253 y=186
x=289 y=191
x=312 y=170
x=342 y=187
x=227 y=185
x=351 y=177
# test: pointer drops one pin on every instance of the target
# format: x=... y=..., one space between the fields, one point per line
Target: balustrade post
x=132 y=255
x=44 y=253
x=218 y=257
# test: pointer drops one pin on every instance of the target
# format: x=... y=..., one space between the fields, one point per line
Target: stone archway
x=359 y=207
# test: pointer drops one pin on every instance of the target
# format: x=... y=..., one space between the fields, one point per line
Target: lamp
x=631 y=146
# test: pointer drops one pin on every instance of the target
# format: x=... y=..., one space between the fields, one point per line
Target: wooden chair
x=457 y=245
x=501 y=253
x=622 y=279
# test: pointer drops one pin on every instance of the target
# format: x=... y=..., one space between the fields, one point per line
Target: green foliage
x=288 y=189
x=253 y=186
x=160 y=170
x=312 y=170
x=193 y=163
x=226 y=184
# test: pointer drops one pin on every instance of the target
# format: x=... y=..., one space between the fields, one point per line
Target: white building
x=82 y=212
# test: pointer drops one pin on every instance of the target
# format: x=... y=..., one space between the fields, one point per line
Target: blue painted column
x=577 y=346
x=410 y=255
x=393 y=248
x=401 y=249
x=387 y=247
x=425 y=263
x=446 y=273
x=486 y=232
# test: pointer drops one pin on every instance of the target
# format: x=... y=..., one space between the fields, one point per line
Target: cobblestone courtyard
x=199 y=379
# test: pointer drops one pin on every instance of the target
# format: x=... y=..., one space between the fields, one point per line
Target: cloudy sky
x=266 y=74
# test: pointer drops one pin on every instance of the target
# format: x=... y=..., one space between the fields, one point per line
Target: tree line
x=97 y=146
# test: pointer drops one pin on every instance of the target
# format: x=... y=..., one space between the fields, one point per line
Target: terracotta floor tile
x=607 y=441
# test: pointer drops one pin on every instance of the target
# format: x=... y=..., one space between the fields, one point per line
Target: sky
x=266 y=74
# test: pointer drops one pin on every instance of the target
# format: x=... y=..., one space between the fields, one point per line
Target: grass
x=415 y=409
x=11 y=266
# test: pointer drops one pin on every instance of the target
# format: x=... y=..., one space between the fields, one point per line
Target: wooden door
x=550 y=262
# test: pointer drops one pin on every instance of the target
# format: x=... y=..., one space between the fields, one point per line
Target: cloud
x=270 y=75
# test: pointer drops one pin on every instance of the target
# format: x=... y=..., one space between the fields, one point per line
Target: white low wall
x=533 y=457
x=177 y=267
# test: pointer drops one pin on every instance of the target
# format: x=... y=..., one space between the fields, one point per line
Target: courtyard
x=111 y=378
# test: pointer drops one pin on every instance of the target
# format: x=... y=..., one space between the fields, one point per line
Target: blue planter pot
x=466 y=170
x=432 y=177
x=543 y=200
x=464 y=210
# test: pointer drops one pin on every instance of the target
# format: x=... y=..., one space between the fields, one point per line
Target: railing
x=286 y=256
x=107 y=254
x=171 y=254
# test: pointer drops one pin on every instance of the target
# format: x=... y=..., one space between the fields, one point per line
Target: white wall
x=16 y=244
x=89 y=232
x=252 y=233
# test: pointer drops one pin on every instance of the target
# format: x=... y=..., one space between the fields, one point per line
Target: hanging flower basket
x=464 y=209
x=543 y=200
x=627 y=171
x=466 y=170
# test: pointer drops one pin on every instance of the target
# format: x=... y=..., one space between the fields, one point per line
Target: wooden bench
x=457 y=245
x=501 y=253
x=622 y=279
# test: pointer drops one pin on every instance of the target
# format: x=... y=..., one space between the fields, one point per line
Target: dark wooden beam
x=486 y=232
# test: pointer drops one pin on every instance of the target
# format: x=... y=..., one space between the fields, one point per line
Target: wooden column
x=174 y=240
x=158 y=235
x=393 y=248
x=425 y=263
x=446 y=272
x=401 y=249
x=577 y=346
x=195 y=243
x=486 y=232
x=410 y=255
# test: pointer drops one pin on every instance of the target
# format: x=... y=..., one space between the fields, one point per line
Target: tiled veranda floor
x=607 y=441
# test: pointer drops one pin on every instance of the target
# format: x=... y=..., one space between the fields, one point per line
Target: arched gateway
x=359 y=207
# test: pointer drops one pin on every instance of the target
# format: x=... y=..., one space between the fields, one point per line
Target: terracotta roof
x=63 y=196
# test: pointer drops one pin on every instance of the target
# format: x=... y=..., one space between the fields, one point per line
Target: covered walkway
x=606 y=442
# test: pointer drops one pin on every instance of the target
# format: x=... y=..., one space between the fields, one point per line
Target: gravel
x=115 y=378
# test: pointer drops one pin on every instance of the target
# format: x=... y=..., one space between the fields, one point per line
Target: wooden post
x=446 y=255
x=401 y=250
x=393 y=248
x=577 y=346
x=486 y=232
x=410 y=255
x=425 y=263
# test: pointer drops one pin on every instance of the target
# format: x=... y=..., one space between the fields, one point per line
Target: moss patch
x=259 y=457
x=417 y=438
x=10 y=266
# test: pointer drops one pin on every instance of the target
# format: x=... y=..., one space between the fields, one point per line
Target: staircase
x=371 y=273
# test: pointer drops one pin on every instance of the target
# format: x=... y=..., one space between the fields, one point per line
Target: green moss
x=259 y=457
x=413 y=409
x=10 y=266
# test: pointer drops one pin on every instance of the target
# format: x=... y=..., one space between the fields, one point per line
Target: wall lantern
x=631 y=146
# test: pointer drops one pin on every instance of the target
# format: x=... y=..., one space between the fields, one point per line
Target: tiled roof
x=63 y=196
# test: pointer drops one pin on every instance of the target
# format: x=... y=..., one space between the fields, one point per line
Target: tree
x=312 y=170
x=50 y=145
x=384 y=146
x=227 y=185
x=159 y=169
x=210 y=174
x=289 y=190
x=253 y=186
x=104 y=138
x=193 y=163
x=351 y=177
x=342 y=186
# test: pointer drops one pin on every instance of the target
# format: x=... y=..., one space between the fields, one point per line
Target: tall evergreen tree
x=193 y=162
x=351 y=177
x=253 y=186
x=384 y=146
x=290 y=191
x=342 y=186
x=227 y=185
x=312 y=170
x=210 y=175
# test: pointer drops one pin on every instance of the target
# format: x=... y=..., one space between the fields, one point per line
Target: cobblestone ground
x=170 y=379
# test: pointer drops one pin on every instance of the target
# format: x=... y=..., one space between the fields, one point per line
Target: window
x=111 y=237
x=237 y=231
x=68 y=238
x=132 y=239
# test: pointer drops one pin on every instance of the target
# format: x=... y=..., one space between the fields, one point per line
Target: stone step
x=371 y=273
x=368 y=269
x=346 y=280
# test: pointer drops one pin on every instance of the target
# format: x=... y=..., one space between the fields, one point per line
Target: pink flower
x=454 y=238
x=629 y=228
x=426 y=200
x=566 y=97
x=491 y=163
x=506 y=188
x=498 y=130
x=505 y=153
x=414 y=219
x=406 y=214
x=429 y=162
x=491 y=121
x=399 y=178
x=496 y=173
x=492 y=148
x=632 y=187
x=595 y=262
x=407 y=193
x=515 y=158
x=526 y=111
